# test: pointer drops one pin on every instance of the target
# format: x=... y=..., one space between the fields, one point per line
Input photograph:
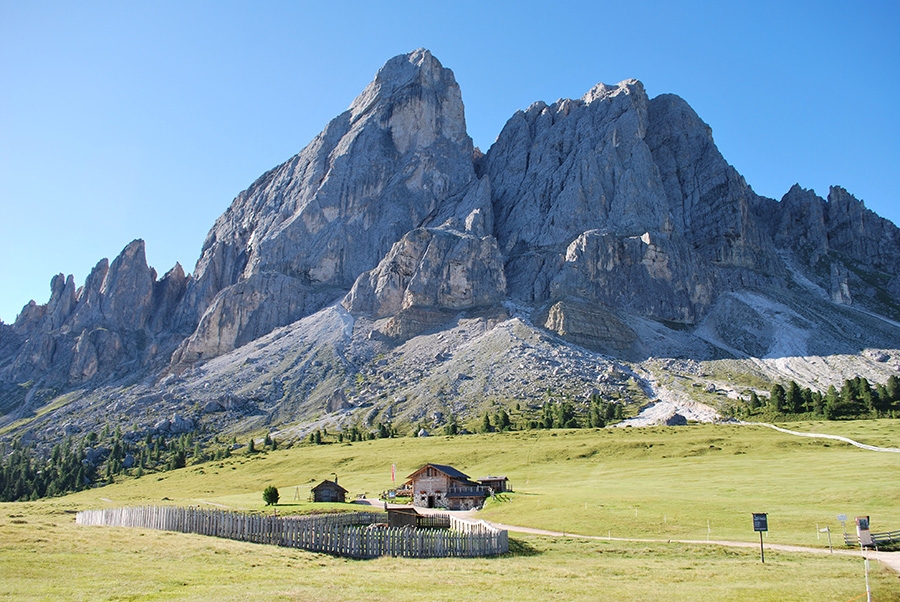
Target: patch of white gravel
x=659 y=412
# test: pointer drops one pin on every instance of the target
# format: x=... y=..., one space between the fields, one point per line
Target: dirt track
x=891 y=559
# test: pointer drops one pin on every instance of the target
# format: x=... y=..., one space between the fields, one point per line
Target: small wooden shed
x=329 y=491
x=495 y=484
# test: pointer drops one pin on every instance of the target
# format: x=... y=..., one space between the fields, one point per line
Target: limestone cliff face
x=846 y=249
x=116 y=322
x=624 y=201
x=806 y=224
x=860 y=234
x=611 y=220
x=430 y=272
x=300 y=235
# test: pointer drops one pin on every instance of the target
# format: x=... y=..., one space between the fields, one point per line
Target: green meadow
x=660 y=484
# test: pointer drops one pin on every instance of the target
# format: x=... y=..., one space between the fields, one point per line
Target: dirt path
x=892 y=450
x=890 y=559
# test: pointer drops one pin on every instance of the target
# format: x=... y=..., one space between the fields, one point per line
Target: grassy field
x=883 y=433
x=659 y=483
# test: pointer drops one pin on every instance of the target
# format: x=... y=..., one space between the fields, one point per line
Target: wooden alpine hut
x=328 y=491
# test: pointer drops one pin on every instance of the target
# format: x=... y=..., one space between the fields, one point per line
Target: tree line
x=558 y=414
x=28 y=474
x=857 y=398
x=24 y=477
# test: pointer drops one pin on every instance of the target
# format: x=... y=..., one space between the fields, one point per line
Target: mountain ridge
x=607 y=230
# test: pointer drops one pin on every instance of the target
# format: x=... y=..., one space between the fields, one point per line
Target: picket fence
x=353 y=534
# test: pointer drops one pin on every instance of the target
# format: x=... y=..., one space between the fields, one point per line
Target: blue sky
x=124 y=120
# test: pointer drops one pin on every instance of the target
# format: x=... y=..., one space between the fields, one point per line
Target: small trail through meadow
x=890 y=559
x=891 y=450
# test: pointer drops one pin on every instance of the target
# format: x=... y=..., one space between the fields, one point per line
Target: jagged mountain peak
x=299 y=237
x=607 y=224
x=417 y=69
x=602 y=91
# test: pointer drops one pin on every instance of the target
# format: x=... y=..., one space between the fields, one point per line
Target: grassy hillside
x=661 y=483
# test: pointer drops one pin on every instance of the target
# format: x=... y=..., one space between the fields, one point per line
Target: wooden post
x=762 y=552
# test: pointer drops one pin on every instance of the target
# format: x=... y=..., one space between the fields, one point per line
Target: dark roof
x=493 y=479
x=447 y=470
x=326 y=484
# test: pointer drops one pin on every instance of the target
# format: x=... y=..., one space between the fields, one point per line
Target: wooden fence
x=879 y=539
x=354 y=534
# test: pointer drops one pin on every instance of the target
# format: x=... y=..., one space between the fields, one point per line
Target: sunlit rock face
x=117 y=323
x=624 y=201
x=299 y=237
x=595 y=231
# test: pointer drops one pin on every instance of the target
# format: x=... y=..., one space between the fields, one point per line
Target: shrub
x=270 y=495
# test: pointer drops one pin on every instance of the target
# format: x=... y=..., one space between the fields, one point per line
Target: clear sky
x=124 y=120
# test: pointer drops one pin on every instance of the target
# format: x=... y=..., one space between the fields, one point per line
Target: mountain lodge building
x=441 y=486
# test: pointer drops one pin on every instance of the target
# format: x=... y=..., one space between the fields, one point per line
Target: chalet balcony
x=468 y=491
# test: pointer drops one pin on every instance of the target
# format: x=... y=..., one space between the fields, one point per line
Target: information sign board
x=760 y=521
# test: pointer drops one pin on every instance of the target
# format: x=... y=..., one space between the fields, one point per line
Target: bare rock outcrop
x=427 y=275
x=847 y=250
x=118 y=320
x=398 y=157
x=623 y=201
x=604 y=225
x=590 y=325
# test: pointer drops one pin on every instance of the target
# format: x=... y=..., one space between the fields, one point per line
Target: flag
x=393 y=472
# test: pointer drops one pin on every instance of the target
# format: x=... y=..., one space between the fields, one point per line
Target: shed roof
x=326 y=484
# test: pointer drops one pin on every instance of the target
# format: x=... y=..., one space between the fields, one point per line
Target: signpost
x=865 y=541
x=826 y=529
x=761 y=524
x=863 y=533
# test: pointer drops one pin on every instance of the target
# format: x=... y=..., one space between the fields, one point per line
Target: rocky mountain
x=391 y=271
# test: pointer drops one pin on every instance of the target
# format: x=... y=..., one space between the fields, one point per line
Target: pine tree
x=754 y=400
x=486 y=426
x=832 y=402
x=893 y=388
x=777 y=398
x=793 y=399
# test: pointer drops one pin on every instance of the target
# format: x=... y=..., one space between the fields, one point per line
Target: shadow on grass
x=894 y=546
x=517 y=547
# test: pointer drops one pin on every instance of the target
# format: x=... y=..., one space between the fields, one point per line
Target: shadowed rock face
x=610 y=221
x=116 y=322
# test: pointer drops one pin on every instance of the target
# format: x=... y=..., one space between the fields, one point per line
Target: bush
x=270 y=495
